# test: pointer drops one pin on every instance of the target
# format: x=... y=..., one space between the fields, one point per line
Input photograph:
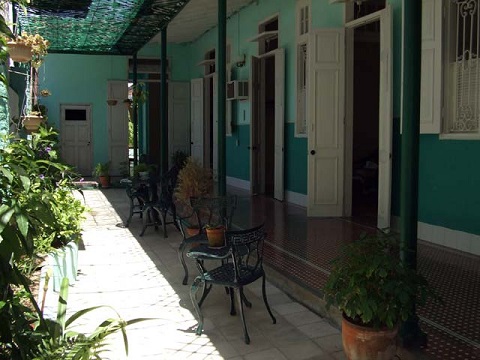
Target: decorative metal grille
x=302 y=90
x=118 y=27
x=466 y=67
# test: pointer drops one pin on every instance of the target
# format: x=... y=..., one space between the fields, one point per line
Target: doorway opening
x=365 y=144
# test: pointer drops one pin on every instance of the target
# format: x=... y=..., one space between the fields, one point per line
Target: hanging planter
x=19 y=51
x=112 y=102
x=32 y=122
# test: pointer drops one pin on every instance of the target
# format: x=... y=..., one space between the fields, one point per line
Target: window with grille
x=462 y=73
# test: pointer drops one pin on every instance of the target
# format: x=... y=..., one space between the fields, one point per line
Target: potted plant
x=193 y=181
x=376 y=292
x=27 y=47
x=142 y=171
x=102 y=171
x=215 y=235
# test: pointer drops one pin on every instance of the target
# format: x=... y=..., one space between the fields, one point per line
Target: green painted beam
x=412 y=32
x=135 y=114
x=164 y=106
x=221 y=95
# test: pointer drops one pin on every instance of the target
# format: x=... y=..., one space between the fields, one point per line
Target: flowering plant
x=38 y=44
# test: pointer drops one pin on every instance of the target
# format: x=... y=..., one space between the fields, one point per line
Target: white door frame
x=385 y=113
x=89 y=150
x=259 y=149
x=196 y=124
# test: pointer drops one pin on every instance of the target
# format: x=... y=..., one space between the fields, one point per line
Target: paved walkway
x=141 y=277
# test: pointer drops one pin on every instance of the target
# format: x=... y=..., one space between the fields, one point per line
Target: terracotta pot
x=104 y=181
x=216 y=236
x=191 y=231
x=365 y=343
x=32 y=122
x=19 y=52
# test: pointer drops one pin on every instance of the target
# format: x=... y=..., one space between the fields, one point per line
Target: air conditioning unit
x=237 y=90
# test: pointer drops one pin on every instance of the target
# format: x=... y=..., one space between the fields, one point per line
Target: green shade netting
x=118 y=27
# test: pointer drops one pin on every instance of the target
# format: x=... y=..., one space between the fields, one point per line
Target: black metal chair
x=242 y=264
x=138 y=195
x=154 y=212
x=206 y=210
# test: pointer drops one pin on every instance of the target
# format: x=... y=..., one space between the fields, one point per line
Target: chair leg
x=206 y=291
x=233 y=312
x=245 y=300
x=164 y=219
x=146 y=218
x=193 y=291
x=181 y=257
x=264 y=294
x=240 y=304
x=130 y=215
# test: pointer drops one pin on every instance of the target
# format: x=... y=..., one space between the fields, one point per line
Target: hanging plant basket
x=19 y=52
x=112 y=102
x=32 y=122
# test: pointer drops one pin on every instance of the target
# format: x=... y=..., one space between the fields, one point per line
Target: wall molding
x=296 y=198
x=238 y=183
x=443 y=236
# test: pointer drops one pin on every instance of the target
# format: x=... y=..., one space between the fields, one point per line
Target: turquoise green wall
x=4 y=109
x=178 y=55
x=448 y=186
x=82 y=79
x=241 y=27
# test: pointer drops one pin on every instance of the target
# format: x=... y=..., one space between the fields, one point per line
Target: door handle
x=191 y=142
x=313 y=152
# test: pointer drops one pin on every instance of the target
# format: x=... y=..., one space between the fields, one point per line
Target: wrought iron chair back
x=214 y=210
x=242 y=264
x=206 y=211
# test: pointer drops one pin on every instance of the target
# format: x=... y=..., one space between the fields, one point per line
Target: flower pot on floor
x=366 y=343
x=104 y=181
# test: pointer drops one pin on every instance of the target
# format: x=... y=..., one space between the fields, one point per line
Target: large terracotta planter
x=32 y=122
x=19 y=52
x=364 y=343
x=216 y=236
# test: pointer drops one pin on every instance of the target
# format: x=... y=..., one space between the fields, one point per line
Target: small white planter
x=64 y=263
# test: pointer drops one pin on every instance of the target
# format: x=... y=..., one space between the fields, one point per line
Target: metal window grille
x=464 y=15
x=302 y=89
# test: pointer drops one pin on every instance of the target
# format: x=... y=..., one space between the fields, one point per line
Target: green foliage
x=102 y=169
x=372 y=286
x=37 y=208
x=139 y=94
x=141 y=167
x=57 y=341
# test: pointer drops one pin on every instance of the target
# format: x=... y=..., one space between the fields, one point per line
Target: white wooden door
x=326 y=88
x=118 y=127
x=215 y=127
x=76 y=137
x=254 y=92
x=196 y=119
x=178 y=117
x=279 y=188
x=386 y=121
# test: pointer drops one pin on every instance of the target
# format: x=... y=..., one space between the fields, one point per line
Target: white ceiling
x=196 y=18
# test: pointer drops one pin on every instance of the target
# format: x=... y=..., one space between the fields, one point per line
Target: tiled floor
x=303 y=248
x=141 y=277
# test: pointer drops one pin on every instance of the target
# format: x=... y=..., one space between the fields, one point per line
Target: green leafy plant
x=141 y=167
x=139 y=94
x=372 y=286
x=102 y=169
x=58 y=341
x=30 y=178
